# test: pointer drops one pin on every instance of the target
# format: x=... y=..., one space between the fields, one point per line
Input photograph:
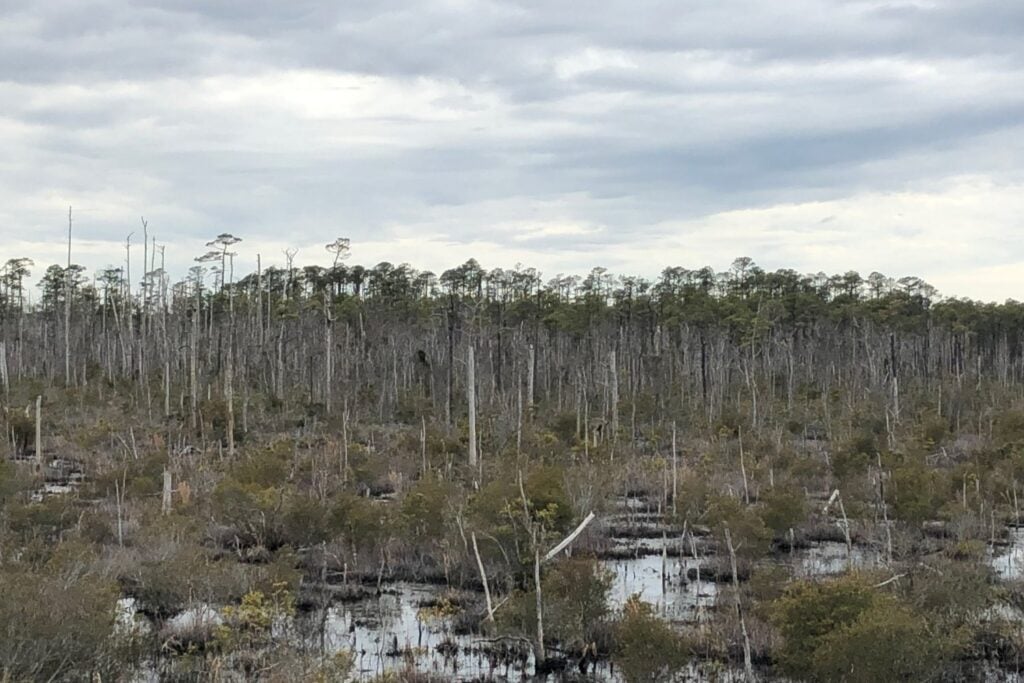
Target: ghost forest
x=339 y=472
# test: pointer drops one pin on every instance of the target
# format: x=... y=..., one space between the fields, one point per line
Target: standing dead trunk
x=328 y=358
x=450 y=379
x=194 y=362
x=530 y=374
x=885 y=510
x=229 y=398
x=67 y=310
x=165 y=506
x=748 y=665
x=519 y=421
x=167 y=388
x=471 y=401
x=540 y=655
x=743 y=471
x=845 y=526
x=344 y=443
x=39 y=431
x=613 y=371
x=423 y=447
x=3 y=371
x=119 y=500
x=675 y=472
x=259 y=298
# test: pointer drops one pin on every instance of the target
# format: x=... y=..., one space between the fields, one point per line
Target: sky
x=817 y=135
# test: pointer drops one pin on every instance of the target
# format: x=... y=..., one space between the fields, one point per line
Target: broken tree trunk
x=748 y=666
x=570 y=538
x=845 y=526
x=483 y=577
x=165 y=507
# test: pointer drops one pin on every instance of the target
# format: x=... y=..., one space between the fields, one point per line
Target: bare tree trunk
x=885 y=510
x=450 y=390
x=743 y=471
x=67 y=310
x=614 y=372
x=193 y=362
x=39 y=431
x=119 y=499
x=229 y=398
x=259 y=297
x=423 y=446
x=551 y=554
x=519 y=420
x=328 y=358
x=748 y=665
x=483 y=578
x=471 y=400
x=540 y=655
x=675 y=472
x=167 y=388
x=530 y=374
x=344 y=443
x=3 y=371
x=165 y=506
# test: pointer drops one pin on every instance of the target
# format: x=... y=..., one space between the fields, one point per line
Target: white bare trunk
x=67 y=310
x=675 y=472
x=540 y=656
x=471 y=400
x=483 y=577
x=39 y=430
x=570 y=538
x=165 y=507
x=748 y=665
x=613 y=370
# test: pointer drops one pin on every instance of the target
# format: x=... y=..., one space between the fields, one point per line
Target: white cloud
x=815 y=134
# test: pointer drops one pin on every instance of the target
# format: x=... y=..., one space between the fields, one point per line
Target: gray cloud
x=524 y=129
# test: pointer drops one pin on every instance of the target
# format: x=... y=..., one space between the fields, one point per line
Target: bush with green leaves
x=850 y=629
x=647 y=648
x=784 y=509
x=750 y=536
x=575 y=596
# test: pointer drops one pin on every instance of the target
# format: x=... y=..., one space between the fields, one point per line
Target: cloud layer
x=809 y=134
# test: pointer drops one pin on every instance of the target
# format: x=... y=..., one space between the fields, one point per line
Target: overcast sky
x=819 y=135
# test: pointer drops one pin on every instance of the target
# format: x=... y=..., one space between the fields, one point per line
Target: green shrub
x=783 y=510
x=575 y=595
x=647 y=649
x=850 y=630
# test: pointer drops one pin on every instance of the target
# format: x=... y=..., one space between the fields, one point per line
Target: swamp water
x=398 y=629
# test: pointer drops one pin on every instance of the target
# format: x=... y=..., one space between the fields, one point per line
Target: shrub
x=55 y=624
x=783 y=510
x=647 y=649
x=575 y=599
x=750 y=536
x=252 y=511
x=849 y=630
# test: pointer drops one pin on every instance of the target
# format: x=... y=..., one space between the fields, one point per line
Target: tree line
x=374 y=339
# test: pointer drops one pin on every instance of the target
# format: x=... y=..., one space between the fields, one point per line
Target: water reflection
x=1009 y=564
